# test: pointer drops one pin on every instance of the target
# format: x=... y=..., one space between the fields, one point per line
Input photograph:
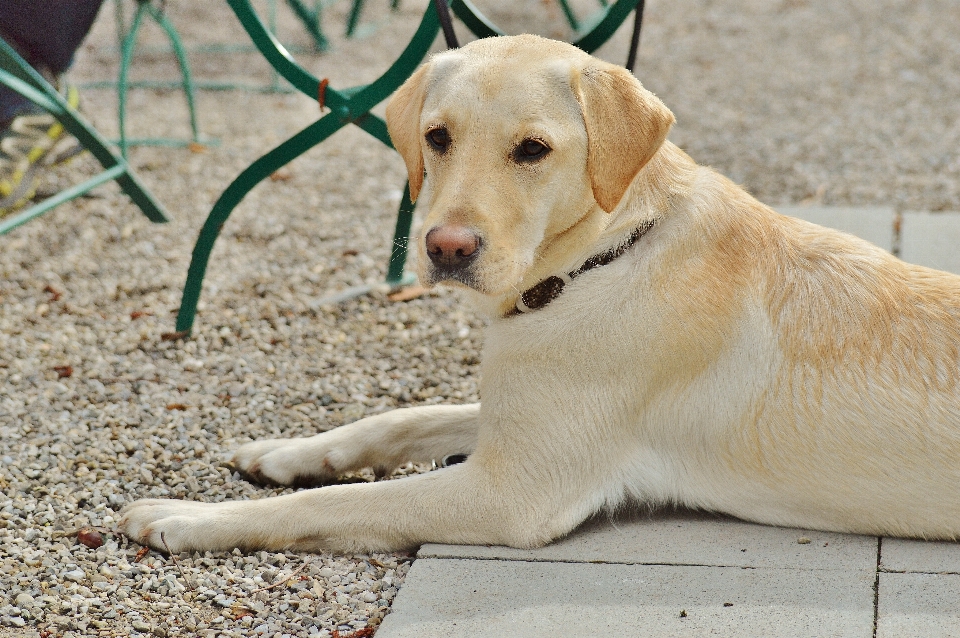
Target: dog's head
x=520 y=138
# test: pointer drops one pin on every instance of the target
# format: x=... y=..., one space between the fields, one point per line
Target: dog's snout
x=452 y=246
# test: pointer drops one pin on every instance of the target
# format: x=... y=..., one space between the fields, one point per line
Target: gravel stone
x=23 y=600
x=800 y=101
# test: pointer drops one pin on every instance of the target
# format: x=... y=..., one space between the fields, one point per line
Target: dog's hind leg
x=384 y=442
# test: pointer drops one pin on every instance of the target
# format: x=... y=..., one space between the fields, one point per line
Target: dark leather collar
x=550 y=288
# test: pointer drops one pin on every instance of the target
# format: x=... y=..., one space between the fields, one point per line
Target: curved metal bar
x=233 y=195
x=446 y=23
x=569 y=14
x=401 y=238
x=347 y=106
x=635 y=36
x=311 y=22
x=611 y=21
x=399 y=71
x=354 y=17
x=126 y=56
x=11 y=222
x=612 y=18
x=479 y=24
x=278 y=56
x=26 y=90
x=375 y=127
x=181 y=54
x=24 y=79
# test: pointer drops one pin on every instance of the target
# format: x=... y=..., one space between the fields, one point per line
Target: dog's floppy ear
x=403 y=123
x=626 y=125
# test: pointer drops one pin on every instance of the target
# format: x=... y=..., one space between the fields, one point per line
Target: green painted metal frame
x=127 y=38
x=22 y=78
x=145 y=7
x=350 y=106
x=353 y=20
x=601 y=25
x=347 y=106
x=310 y=17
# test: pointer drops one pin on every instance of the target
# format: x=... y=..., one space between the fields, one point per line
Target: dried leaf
x=239 y=610
x=408 y=293
x=90 y=537
x=54 y=293
x=63 y=371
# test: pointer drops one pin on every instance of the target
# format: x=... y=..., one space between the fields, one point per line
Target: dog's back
x=854 y=422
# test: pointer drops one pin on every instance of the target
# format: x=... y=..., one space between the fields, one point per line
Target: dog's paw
x=247 y=460
x=286 y=462
x=176 y=526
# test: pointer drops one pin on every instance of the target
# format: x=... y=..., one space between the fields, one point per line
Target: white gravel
x=852 y=103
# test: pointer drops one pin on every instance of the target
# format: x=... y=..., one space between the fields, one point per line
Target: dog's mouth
x=463 y=276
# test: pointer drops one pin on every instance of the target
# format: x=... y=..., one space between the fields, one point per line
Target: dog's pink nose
x=452 y=246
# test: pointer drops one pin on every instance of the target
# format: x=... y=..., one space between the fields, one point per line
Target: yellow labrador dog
x=656 y=336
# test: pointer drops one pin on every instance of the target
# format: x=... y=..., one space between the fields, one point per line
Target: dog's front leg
x=464 y=504
x=384 y=442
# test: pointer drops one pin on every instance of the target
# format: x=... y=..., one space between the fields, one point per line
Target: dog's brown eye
x=439 y=139
x=530 y=150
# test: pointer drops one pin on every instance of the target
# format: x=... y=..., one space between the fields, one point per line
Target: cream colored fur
x=732 y=359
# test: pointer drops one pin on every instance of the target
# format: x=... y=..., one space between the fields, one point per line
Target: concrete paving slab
x=875 y=224
x=931 y=239
x=688 y=538
x=901 y=555
x=918 y=606
x=480 y=598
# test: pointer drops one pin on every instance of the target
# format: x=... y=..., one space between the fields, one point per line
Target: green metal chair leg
x=353 y=20
x=126 y=58
x=568 y=13
x=311 y=22
x=605 y=25
x=572 y=17
x=474 y=20
x=233 y=195
x=181 y=54
x=21 y=77
x=349 y=106
x=401 y=240
x=354 y=17
x=601 y=26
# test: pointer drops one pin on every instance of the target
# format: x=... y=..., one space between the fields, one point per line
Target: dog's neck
x=665 y=177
